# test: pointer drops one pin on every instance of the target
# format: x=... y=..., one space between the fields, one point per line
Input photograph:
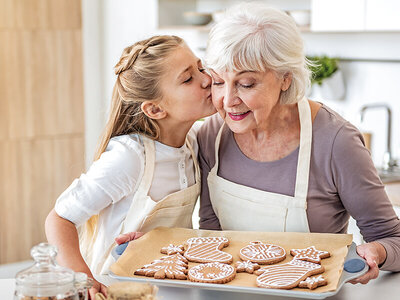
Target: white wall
x=372 y=82
x=108 y=27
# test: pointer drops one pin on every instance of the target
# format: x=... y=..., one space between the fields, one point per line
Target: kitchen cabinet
x=355 y=15
x=382 y=15
x=338 y=15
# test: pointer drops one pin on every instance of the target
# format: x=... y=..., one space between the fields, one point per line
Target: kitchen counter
x=393 y=192
x=386 y=286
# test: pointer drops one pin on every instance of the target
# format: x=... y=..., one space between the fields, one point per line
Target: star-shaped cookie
x=172 y=249
x=309 y=254
x=313 y=282
x=246 y=266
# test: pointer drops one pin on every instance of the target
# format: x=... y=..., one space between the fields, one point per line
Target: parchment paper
x=147 y=248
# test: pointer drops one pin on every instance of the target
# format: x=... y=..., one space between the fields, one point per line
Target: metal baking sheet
x=254 y=290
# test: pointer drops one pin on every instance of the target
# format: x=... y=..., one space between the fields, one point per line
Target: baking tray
x=346 y=276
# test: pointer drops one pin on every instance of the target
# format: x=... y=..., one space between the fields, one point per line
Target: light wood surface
x=41 y=116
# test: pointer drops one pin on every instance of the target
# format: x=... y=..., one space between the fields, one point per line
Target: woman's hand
x=375 y=254
x=127 y=237
x=97 y=288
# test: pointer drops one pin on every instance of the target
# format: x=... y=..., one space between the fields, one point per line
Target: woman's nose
x=230 y=97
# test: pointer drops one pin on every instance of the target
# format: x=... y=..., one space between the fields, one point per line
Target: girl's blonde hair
x=138 y=71
x=253 y=36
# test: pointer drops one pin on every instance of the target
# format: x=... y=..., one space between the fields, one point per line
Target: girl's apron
x=244 y=208
x=145 y=214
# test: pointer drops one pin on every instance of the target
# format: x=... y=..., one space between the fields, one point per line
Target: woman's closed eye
x=215 y=82
x=188 y=80
x=246 y=86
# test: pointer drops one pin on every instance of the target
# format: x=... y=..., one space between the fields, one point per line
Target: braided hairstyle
x=138 y=71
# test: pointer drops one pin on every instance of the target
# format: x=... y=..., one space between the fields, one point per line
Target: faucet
x=388 y=162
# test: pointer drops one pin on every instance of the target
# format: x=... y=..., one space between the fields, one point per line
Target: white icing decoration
x=174 y=264
x=211 y=271
x=286 y=274
x=172 y=249
x=312 y=280
x=309 y=253
x=206 y=249
x=258 y=251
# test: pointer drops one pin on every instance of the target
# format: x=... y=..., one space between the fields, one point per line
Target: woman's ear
x=287 y=80
x=153 y=110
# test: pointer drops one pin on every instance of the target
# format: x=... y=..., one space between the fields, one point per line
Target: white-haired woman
x=272 y=160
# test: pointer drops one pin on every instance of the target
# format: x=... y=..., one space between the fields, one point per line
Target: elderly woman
x=272 y=160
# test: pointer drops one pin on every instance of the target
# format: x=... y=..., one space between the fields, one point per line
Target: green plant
x=322 y=67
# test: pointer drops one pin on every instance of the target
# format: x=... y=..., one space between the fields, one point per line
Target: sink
x=391 y=175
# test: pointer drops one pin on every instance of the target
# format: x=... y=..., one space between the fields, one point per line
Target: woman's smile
x=239 y=116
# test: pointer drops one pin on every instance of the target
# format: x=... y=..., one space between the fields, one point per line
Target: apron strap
x=145 y=182
x=149 y=162
x=214 y=169
x=195 y=162
x=303 y=163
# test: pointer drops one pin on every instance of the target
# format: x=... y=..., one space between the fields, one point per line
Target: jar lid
x=45 y=277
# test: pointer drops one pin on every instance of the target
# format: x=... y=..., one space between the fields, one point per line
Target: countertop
x=386 y=286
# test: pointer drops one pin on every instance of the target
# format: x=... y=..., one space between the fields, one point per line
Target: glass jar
x=46 y=280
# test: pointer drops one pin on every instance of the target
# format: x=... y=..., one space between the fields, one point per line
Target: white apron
x=239 y=207
x=145 y=214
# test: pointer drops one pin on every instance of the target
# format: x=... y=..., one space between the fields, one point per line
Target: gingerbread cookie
x=246 y=266
x=207 y=249
x=172 y=249
x=172 y=267
x=313 y=282
x=288 y=275
x=213 y=272
x=264 y=254
x=309 y=254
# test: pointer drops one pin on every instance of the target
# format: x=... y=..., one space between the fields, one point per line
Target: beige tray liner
x=147 y=248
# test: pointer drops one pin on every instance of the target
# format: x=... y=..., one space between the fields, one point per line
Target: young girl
x=145 y=174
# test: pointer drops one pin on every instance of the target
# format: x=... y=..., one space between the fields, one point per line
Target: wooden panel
x=43 y=85
x=40 y=14
x=35 y=173
x=15 y=233
x=7 y=14
x=57 y=92
x=4 y=52
x=16 y=84
x=41 y=116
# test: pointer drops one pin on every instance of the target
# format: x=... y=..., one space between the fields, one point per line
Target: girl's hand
x=375 y=254
x=97 y=288
x=127 y=237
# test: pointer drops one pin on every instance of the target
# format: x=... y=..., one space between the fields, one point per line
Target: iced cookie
x=213 y=272
x=313 y=282
x=246 y=266
x=171 y=266
x=264 y=254
x=288 y=275
x=207 y=249
x=309 y=254
x=172 y=249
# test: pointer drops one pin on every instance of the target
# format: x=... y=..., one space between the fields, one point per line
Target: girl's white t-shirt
x=108 y=187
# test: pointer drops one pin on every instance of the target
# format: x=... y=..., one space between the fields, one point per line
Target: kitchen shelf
x=303 y=29
x=203 y=28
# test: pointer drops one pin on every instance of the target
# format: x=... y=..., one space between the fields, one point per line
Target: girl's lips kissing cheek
x=238 y=116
